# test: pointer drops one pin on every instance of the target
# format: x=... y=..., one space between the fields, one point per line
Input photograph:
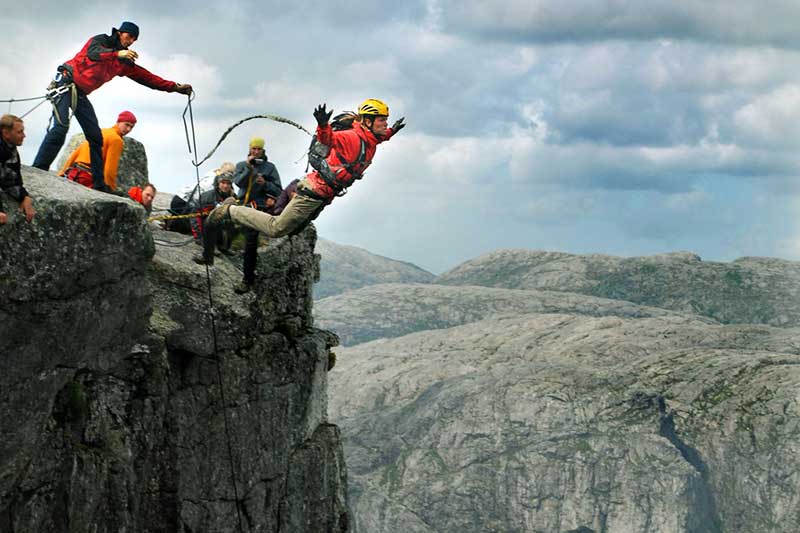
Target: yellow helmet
x=374 y=107
x=257 y=142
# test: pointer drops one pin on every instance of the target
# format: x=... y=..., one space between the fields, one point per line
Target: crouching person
x=12 y=133
x=218 y=236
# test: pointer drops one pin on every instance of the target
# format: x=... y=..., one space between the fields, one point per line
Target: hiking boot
x=201 y=260
x=102 y=188
x=228 y=252
x=242 y=287
x=220 y=213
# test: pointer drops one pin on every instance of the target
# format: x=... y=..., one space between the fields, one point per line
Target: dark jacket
x=241 y=177
x=211 y=198
x=284 y=199
x=207 y=201
x=10 y=173
x=97 y=63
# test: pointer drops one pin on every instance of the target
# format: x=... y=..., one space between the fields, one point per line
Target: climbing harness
x=193 y=150
x=51 y=94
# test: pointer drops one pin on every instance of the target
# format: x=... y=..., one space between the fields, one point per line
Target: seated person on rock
x=143 y=195
x=188 y=200
x=285 y=197
x=78 y=166
x=12 y=133
x=221 y=235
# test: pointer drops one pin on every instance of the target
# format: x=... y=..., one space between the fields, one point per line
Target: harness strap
x=249 y=188
x=328 y=175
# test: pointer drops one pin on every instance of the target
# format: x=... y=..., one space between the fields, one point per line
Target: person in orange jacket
x=78 y=164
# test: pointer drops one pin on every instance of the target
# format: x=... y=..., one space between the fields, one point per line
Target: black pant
x=215 y=236
x=57 y=134
x=250 y=254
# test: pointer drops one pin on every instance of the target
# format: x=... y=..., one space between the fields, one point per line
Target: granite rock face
x=749 y=290
x=344 y=268
x=522 y=409
x=132 y=164
x=569 y=422
x=118 y=413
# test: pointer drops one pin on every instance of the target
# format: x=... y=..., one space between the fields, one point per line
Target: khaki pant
x=297 y=212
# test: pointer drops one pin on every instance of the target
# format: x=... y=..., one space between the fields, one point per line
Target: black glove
x=322 y=115
x=399 y=125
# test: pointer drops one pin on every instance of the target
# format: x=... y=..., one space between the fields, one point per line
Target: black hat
x=129 y=27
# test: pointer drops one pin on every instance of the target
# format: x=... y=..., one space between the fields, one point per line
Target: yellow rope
x=175 y=217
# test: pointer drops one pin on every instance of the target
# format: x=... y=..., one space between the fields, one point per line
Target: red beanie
x=126 y=116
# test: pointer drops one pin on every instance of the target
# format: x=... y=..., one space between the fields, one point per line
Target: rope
x=276 y=118
x=175 y=217
x=49 y=95
x=213 y=322
x=23 y=99
x=173 y=244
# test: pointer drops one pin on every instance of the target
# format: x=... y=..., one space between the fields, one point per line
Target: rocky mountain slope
x=750 y=290
x=395 y=309
x=117 y=411
x=557 y=422
x=521 y=409
x=344 y=268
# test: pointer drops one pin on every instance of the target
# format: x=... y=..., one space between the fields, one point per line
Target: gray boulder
x=132 y=170
x=125 y=408
x=569 y=422
x=344 y=268
x=750 y=290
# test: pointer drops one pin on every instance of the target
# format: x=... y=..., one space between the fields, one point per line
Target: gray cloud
x=735 y=22
x=579 y=126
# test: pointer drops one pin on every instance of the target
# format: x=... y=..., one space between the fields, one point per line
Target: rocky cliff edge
x=117 y=413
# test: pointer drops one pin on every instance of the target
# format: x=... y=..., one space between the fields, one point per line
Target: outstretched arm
x=148 y=79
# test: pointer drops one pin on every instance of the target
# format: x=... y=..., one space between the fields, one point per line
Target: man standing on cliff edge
x=102 y=58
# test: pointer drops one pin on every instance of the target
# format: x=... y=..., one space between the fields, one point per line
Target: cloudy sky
x=586 y=126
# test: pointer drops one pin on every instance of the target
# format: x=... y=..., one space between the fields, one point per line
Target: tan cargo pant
x=295 y=214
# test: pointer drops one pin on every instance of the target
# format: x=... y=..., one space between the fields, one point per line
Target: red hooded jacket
x=346 y=143
x=97 y=63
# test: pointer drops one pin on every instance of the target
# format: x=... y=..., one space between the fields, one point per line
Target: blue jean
x=57 y=135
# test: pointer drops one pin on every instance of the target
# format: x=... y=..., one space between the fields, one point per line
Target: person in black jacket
x=259 y=186
x=12 y=131
x=256 y=176
x=216 y=237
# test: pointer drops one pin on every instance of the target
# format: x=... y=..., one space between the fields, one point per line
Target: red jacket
x=345 y=143
x=97 y=63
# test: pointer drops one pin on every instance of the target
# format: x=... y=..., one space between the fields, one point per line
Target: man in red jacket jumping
x=347 y=154
x=101 y=58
